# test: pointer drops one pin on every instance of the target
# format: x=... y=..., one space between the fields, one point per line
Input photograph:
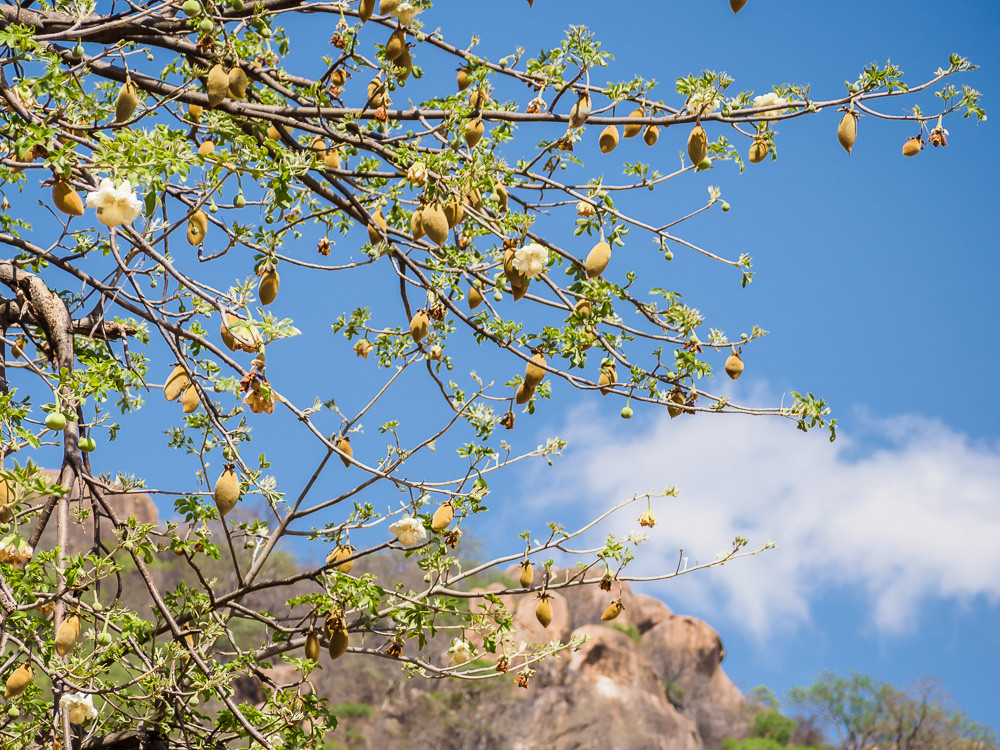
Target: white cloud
x=917 y=517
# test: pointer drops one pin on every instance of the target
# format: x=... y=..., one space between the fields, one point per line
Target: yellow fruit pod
x=598 y=259
x=217 y=86
x=758 y=150
x=475 y=298
x=608 y=140
x=524 y=394
x=377 y=227
x=651 y=135
x=847 y=131
x=67 y=635
x=419 y=325
x=366 y=9
x=442 y=517
x=18 y=681
x=237 y=83
x=206 y=148
x=267 y=289
x=513 y=275
x=479 y=98
x=734 y=366
x=339 y=640
x=396 y=45
x=344 y=444
x=416 y=224
x=518 y=290
x=609 y=376
x=386 y=7
x=580 y=112
x=534 y=371
x=312 y=646
x=737 y=5
x=582 y=308
x=177 y=383
x=502 y=199
x=463 y=79
x=697 y=144
x=190 y=401
x=405 y=64
x=66 y=199
x=454 y=212
x=675 y=402
x=631 y=131
x=474 y=132
x=614 y=609
x=342 y=552
x=434 y=223
x=912 y=146
x=126 y=102
x=338 y=78
x=527 y=577
x=543 y=610
x=195 y=112
x=227 y=491
x=197 y=228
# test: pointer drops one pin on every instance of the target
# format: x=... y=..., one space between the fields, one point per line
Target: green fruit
x=78 y=51
x=627 y=412
x=55 y=421
x=725 y=207
x=206 y=26
x=191 y=7
x=239 y=201
x=238 y=5
x=87 y=444
x=104 y=639
x=705 y=163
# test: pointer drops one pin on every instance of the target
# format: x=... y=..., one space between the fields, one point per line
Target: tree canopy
x=196 y=175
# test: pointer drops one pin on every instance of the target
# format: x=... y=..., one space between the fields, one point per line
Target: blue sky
x=876 y=276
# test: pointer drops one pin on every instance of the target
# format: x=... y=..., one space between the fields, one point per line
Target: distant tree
x=869 y=713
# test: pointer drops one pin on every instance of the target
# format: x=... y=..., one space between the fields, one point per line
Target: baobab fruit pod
x=126 y=102
x=339 y=553
x=376 y=228
x=190 y=400
x=312 y=646
x=847 y=131
x=737 y=5
x=396 y=45
x=475 y=298
x=194 y=112
x=580 y=112
x=331 y=158
x=227 y=490
x=386 y=7
x=697 y=144
x=524 y=394
x=478 y=99
x=527 y=577
x=608 y=140
x=454 y=212
x=631 y=131
x=651 y=135
x=419 y=325
x=598 y=259
x=534 y=373
x=18 y=681
x=734 y=366
x=217 y=86
x=237 y=83
x=609 y=376
x=416 y=224
x=67 y=635
x=502 y=199
x=206 y=148
x=675 y=402
x=339 y=640
x=543 y=610
x=227 y=337
x=442 y=517
x=177 y=383
x=66 y=199
x=474 y=132
x=758 y=150
x=910 y=148
x=434 y=223
x=197 y=228
x=614 y=609
x=267 y=289
x=344 y=444
x=463 y=79
x=366 y=9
